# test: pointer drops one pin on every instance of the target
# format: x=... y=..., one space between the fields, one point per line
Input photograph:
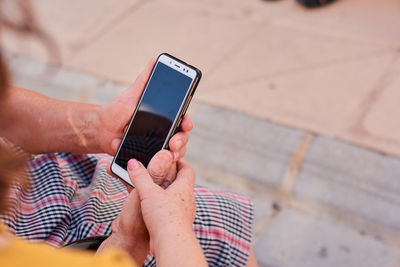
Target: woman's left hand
x=114 y=118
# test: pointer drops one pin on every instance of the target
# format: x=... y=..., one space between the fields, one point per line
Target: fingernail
x=133 y=164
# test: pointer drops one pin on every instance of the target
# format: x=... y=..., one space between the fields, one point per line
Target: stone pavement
x=297 y=109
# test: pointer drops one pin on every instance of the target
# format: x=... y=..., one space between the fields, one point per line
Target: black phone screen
x=160 y=104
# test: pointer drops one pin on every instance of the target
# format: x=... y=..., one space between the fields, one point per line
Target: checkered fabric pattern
x=69 y=197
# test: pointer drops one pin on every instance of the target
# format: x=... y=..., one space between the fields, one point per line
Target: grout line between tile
x=234 y=49
x=284 y=193
x=292 y=171
x=310 y=67
x=283 y=198
x=373 y=96
x=262 y=226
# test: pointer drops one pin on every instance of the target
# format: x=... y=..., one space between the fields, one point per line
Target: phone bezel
x=181 y=67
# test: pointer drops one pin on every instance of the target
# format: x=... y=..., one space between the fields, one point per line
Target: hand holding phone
x=161 y=108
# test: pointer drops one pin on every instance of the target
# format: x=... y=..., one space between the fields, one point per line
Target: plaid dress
x=70 y=196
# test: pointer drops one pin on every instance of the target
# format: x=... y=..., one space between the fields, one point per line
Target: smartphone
x=158 y=114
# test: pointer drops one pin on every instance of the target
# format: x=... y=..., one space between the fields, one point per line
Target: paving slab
x=72 y=24
x=242 y=145
x=238 y=9
x=106 y=92
x=299 y=239
x=325 y=100
x=275 y=50
x=360 y=182
x=53 y=81
x=233 y=152
x=368 y=20
x=377 y=124
x=197 y=37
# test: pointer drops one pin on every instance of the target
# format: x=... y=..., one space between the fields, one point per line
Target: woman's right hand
x=169 y=215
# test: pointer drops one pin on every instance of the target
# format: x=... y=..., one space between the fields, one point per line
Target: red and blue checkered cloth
x=70 y=197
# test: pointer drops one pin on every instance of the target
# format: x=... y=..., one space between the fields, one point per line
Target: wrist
x=87 y=127
x=95 y=129
x=163 y=239
x=186 y=250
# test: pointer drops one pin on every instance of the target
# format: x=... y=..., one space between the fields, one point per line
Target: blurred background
x=298 y=109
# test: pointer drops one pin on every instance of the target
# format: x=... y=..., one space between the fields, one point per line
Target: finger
x=182 y=153
x=160 y=165
x=140 y=177
x=184 y=169
x=187 y=123
x=184 y=178
x=170 y=178
x=178 y=141
x=130 y=210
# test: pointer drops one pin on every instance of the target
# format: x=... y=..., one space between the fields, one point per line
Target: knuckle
x=166 y=183
x=160 y=166
x=157 y=172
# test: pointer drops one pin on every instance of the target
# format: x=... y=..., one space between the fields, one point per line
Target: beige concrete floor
x=332 y=71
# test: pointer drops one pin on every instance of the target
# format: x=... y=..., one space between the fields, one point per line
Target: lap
x=69 y=197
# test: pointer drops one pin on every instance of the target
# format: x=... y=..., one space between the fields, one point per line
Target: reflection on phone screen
x=156 y=113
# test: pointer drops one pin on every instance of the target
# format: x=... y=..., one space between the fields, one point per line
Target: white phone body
x=180 y=67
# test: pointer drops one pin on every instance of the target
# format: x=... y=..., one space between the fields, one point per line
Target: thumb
x=185 y=177
x=141 y=179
